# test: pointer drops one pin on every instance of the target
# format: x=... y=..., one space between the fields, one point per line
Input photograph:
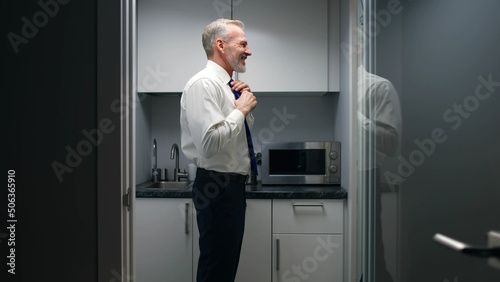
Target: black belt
x=221 y=176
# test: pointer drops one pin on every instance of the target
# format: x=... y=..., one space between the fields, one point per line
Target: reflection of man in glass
x=379 y=117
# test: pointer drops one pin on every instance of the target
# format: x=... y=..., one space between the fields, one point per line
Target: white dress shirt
x=212 y=129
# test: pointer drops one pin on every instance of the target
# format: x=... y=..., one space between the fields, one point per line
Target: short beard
x=235 y=64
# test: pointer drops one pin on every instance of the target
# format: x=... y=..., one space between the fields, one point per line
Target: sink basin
x=171 y=185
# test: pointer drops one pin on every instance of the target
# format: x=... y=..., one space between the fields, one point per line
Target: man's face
x=238 y=50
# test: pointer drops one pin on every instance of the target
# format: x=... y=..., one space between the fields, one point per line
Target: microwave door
x=291 y=163
x=298 y=162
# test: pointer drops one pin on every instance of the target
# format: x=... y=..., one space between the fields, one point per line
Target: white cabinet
x=308 y=240
x=255 y=258
x=334 y=46
x=289 y=42
x=299 y=257
x=163 y=239
x=284 y=240
x=295 y=43
x=169 y=41
x=308 y=216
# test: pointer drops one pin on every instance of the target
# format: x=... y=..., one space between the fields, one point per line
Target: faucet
x=174 y=153
x=155 y=152
x=155 y=171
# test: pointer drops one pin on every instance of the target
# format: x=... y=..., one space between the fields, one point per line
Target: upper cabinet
x=291 y=41
x=289 y=44
x=169 y=41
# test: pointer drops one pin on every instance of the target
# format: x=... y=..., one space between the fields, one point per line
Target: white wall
x=143 y=139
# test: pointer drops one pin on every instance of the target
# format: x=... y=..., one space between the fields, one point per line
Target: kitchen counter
x=257 y=191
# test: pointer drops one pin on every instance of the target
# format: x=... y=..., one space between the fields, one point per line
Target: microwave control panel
x=333 y=174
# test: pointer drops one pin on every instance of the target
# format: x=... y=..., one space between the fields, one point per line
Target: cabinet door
x=169 y=41
x=298 y=257
x=255 y=258
x=163 y=242
x=289 y=42
x=334 y=45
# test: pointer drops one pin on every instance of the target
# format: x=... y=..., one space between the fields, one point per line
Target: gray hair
x=215 y=30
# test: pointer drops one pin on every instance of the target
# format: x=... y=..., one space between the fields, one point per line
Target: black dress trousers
x=219 y=199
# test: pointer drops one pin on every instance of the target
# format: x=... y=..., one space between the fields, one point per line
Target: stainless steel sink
x=171 y=185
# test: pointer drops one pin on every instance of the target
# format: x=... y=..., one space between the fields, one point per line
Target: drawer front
x=308 y=216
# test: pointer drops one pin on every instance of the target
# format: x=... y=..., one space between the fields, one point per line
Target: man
x=215 y=123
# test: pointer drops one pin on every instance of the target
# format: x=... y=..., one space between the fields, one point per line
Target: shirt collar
x=220 y=72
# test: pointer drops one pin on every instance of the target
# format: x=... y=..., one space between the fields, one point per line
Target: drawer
x=308 y=216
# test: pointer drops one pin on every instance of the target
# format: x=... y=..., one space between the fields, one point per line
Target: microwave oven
x=300 y=163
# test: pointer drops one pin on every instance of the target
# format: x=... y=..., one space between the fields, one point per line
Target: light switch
x=494 y=241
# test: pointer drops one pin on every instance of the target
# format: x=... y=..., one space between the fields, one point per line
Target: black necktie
x=253 y=160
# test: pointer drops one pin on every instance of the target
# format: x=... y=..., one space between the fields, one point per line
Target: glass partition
x=429 y=137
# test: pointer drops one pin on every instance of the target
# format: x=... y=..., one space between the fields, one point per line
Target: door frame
x=116 y=84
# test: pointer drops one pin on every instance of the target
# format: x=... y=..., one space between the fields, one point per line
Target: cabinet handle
x=186 y=220
x=307 y=204
x=277 y=254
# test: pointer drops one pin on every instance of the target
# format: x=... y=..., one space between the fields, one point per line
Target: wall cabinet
x=169 y=41
x=163 y=239
x=294 y=43
x=289 y=42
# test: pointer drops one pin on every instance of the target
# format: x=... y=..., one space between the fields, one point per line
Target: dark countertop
x=257 y=191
